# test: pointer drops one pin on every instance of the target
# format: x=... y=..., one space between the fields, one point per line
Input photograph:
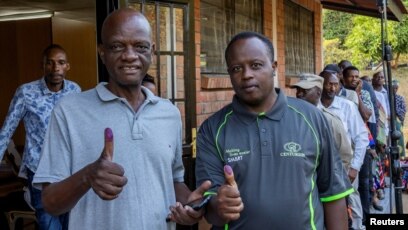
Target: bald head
x=126 y=48
x=122 y=17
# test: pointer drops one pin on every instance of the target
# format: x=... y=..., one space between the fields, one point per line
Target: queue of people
x=266 y=159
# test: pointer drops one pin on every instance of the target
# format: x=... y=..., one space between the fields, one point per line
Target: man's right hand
x=352 y=174
x=106 y=177
x=228 y=199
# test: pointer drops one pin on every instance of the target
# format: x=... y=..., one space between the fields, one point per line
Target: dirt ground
x=405 y=202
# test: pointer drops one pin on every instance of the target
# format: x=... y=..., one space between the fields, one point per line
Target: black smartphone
x=201 y=204
x=197 y=205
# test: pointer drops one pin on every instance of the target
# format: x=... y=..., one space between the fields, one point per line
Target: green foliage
x=332 y=52
x=364 y=41
x=358 y=38
x=401 y=34
x=336 y=24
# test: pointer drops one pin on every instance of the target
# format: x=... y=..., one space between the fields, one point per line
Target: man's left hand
x=184 y=214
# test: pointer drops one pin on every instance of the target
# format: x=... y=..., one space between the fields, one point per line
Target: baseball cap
x=308 y=81
x=333 y=68
x=378 y=69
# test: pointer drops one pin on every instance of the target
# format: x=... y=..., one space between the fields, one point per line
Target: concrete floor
x=385 y=203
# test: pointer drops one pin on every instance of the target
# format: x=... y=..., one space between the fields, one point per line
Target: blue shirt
x=32 y=102
x=400 y=107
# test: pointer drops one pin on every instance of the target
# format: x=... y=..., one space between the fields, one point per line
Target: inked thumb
x=229 y=176
x=108 y=149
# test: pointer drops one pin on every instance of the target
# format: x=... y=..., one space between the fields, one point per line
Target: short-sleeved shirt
x=284 y=161
x=32 y=103
x=147 y=144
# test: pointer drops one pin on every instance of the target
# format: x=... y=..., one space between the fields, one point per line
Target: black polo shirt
x=285 y=163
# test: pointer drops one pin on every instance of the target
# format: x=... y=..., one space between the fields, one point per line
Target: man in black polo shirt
x=287 y=170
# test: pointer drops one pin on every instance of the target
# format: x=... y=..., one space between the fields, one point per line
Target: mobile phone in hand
x=201 y=204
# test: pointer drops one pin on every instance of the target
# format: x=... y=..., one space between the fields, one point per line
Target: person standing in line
x=342 y=91
x=357 y=133
x=352 y=81
x=113 y=154
x=400 y=105
x=33 y=103
x=400 y=111
x=288 y=173
x=378 y=82
x=372 y=122
x=309 y=88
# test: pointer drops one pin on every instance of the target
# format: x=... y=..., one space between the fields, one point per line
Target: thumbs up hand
x=104 y=176
x=228 y=200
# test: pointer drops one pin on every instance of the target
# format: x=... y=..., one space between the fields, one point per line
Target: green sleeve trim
x=209 y=193
x=226 y=226
x=338 y=196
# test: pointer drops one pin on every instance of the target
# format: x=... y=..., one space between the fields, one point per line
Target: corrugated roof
x=395 y=8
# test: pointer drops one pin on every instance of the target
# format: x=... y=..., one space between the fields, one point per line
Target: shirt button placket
x=263 y=137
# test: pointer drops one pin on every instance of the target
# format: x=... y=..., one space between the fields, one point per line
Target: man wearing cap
x=309 y=88
x=381 y=94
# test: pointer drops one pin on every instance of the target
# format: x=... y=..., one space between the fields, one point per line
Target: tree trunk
x=396 y=61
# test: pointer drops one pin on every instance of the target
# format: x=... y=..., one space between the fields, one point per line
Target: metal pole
x=393 y=151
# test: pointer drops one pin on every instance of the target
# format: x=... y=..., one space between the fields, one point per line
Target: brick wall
x=280 y=49
x=314 y=6
x=208 y=100
x=211 y=99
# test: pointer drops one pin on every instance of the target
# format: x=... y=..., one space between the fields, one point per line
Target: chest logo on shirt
x=292 y=149
x=235 y=154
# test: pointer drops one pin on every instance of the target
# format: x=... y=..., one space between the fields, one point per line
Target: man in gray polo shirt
x=130 y=177
x=280 y=149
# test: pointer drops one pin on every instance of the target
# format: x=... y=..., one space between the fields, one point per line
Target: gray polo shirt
x=285 y=163
x=147 y=144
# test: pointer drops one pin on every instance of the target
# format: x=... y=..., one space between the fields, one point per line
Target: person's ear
x=275 y=67
x=274 y=64
x=319 y=92
x=152 y=50
x=68 y=66
x=101 y=52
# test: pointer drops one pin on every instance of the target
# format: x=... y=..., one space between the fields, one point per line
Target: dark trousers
x=365 y=176
x=45 y=220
